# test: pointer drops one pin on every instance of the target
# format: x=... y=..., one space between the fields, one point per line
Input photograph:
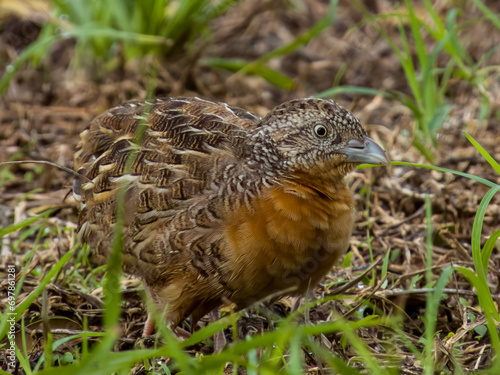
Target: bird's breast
x=289 y=239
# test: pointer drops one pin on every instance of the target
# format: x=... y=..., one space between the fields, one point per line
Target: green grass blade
x=452 y=47
x=212 y=364
x=183 y=361
x=445 y=78
x=440 y=115
x=104 y=363
x=75 y=10
x=428 y=241
x=408 y=66
x=111 y=287
x=362 y=350
x=274 y=77
x=37 y=48
x=304 y=38
x=183 y=18
x=25 y=223
x=417 y=36
x=431 y=315
x=295 y=363
x=209 y=330
x=457 y=50
x=237 y=65
x=484 y=153
x=477 y=227
x=24 y=362
x=232 y=65
x=385 y=265
x=487 y=305
x=440 y=169
x=352 y=90
x=423 y=149
x=435 y=112
x=282 y=334
x=487 y=13
x=120 y=15
x=88 y=31
x=435 y=16
x=332 y=359
x=338 y=325
x=488 y=248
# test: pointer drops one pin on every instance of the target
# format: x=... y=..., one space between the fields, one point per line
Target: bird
x=220 y=205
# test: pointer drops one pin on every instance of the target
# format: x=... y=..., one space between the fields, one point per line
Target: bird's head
x=314 y=139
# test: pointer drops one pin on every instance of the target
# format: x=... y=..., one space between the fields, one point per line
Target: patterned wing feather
x=166 y=153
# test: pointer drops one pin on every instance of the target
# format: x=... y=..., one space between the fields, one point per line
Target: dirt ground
x=46 y=107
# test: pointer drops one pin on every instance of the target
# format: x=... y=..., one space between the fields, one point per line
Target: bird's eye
x=320 y=131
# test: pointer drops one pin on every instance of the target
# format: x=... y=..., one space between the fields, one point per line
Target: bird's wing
x=164 y=153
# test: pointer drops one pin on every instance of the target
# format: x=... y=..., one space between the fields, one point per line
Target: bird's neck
x=329 y=183
x=325 y=191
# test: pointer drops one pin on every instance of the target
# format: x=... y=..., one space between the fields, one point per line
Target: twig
x=69 y=170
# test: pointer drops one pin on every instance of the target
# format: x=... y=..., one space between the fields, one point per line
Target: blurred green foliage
x=109 y=33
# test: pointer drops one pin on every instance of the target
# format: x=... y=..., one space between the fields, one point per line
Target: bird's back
x=166 y=154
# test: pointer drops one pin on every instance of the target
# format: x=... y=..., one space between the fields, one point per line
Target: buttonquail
x=220 y=204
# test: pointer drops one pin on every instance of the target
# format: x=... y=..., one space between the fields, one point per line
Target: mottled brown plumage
x=221 y=205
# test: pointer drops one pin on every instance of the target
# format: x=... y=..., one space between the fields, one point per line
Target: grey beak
x=366 y=151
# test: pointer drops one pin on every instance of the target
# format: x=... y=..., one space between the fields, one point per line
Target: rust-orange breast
x=288 y=241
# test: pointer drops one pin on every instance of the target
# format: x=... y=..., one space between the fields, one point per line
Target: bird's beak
x=366 y=152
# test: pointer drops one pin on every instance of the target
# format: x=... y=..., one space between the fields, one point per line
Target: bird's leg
x=182 y=333
x=309 y=296
x=151 y=301
x=219 y=338
x=296 y=305
x=149 y=326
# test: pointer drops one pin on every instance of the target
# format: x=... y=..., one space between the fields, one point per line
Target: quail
x=220 y=204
